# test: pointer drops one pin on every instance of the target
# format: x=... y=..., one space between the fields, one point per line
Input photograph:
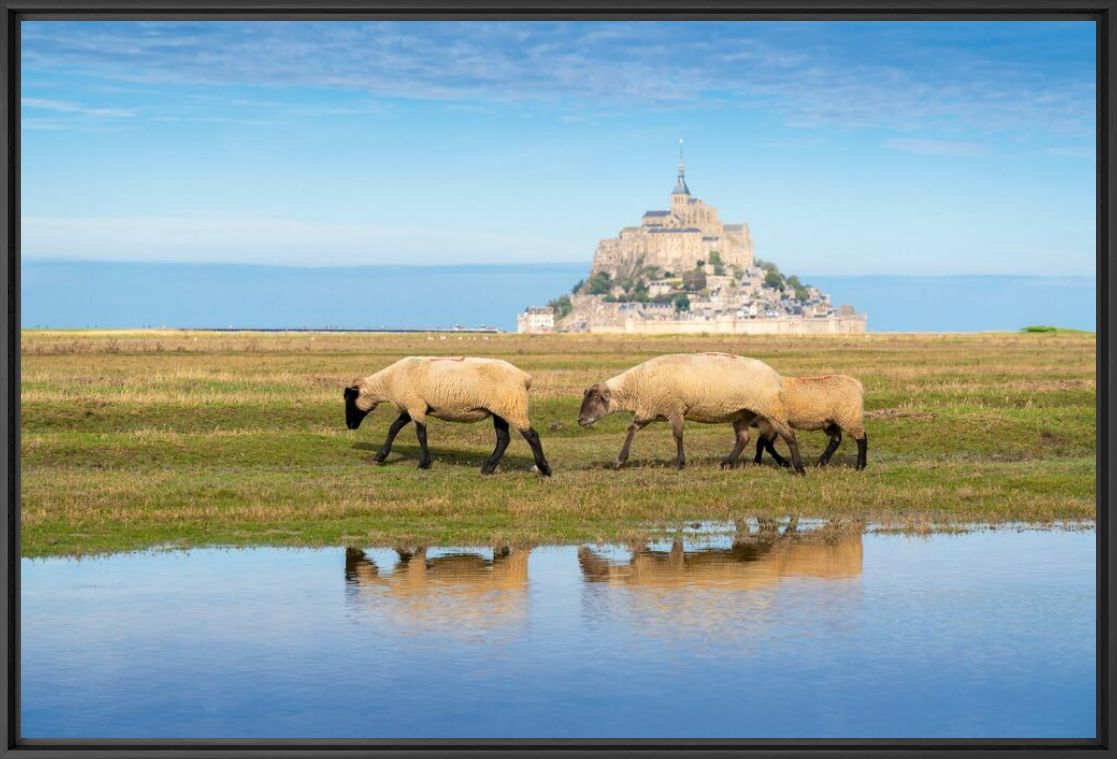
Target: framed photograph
x=438 y=378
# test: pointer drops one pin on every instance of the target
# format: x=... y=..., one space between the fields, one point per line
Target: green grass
x=1047 y=328
x=135 y=439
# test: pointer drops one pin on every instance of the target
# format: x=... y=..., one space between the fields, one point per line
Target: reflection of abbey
x=684 y=271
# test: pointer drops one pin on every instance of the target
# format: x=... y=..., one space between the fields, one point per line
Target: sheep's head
x=357 y=405
x=595 y=404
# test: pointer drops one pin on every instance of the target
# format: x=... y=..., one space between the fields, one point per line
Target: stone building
x=647 y=281
x=677 y=239
x=536 y=320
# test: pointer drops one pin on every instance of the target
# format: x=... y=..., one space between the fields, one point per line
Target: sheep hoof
x=488 y=469
x=618 y=465
x=680 y=464
x=424 y=465
x=544 y=470
x=379 y=458
x=728 y=464
x=800 y=471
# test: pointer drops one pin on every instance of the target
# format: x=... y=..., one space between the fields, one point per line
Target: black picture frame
x=1100 y=11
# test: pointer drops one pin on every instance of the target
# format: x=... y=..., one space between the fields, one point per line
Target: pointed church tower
x=680 y=196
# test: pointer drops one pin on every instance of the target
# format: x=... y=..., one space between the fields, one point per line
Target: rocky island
x=683 y=271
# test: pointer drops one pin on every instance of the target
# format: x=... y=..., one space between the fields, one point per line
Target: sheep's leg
x=677 y=431
x=741 y=431
x=862 y=451
x=761 y=444
x=770 y=446
x=835 y=433
x=532 y=438
x=788 y=435
x=424 y=453
x=397 y=425
x=796 y=459
x=502 y=439
x=636 y=426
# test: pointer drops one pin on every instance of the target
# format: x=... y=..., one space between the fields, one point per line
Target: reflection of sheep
x=719 y=598
x=752 y=562
x=704 y=387
x=459 y=593
x=833 y=403
x=454 y=389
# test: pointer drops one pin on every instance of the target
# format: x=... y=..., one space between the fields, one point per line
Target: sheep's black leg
x=835 y=433
x=397 y=425
x=863 y=452
x=502 y=439
x=424 y=453
x=741 y=431
x=633 y=428
x=677 y=431
x=770 y=446
x=532 y=438
x=760 y=445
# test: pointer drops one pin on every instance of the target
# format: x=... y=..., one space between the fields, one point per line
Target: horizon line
x=497 y=265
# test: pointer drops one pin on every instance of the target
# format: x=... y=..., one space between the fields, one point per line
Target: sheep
x=832 y=403
x=459 y=389
x=703 y=387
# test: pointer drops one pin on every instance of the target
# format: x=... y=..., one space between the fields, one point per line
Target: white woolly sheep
x=703 y=387
x=454 y=389
x=832 y=403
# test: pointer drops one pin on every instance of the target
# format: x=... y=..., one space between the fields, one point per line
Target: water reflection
x=460 y=590
x=812 y=630
x=467 y=592
x=753 y=560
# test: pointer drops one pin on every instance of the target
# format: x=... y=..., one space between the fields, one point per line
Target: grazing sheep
x=832 y=403
x=455 y=389
x=703 y=387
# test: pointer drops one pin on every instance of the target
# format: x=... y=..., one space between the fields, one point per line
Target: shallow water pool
x=819 y=633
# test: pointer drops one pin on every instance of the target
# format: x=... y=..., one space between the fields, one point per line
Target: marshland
x=135 y=439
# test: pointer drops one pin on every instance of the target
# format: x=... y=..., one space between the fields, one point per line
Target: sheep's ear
x=603 y=390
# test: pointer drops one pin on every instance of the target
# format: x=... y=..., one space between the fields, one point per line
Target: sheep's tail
x=527 y=381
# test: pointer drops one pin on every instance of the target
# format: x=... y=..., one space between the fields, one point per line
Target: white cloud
x=922 y=146
x=267 y=240
x=65 y=106
x=806 y=77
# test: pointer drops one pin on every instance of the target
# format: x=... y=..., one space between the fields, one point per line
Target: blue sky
x=850 y=148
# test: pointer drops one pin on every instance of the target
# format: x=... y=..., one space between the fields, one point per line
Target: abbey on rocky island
x=683 y=271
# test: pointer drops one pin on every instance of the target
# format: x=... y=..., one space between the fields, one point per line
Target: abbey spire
x=680 y=184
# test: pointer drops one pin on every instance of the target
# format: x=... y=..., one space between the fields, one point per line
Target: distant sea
x=66 y=294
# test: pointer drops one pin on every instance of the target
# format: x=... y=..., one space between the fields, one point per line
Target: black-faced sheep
x=832 y=403
x=453 y=389
x=704 y=387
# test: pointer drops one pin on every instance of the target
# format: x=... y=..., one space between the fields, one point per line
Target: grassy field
x=137 y=439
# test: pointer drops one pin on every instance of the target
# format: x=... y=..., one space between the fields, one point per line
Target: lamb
x=703 y=387
x=832 y=403
x=462 y=389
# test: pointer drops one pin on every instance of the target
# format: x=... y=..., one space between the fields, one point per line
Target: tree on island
x=600 y=283
x=562 y=306
x=800 y=290
x=682 y=303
